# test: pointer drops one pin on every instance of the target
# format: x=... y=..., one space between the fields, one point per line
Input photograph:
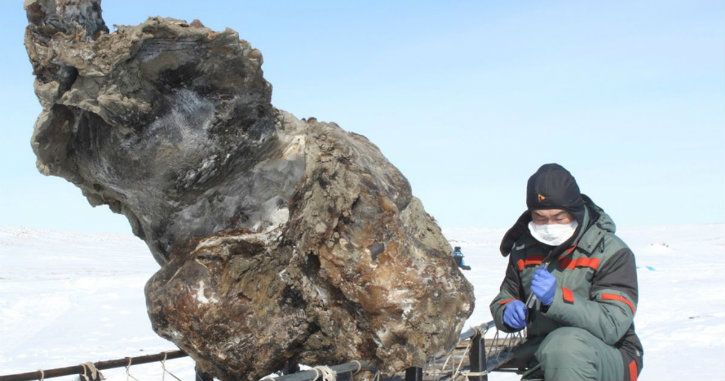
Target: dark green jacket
x=596 y=282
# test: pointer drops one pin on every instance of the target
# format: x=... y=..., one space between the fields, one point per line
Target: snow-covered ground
x=68 y=298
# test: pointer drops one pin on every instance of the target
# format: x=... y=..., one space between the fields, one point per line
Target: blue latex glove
x=515 y=315
x=544 y=286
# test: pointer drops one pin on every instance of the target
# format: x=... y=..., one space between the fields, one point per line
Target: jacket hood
x=601 y=224
x=599 y=217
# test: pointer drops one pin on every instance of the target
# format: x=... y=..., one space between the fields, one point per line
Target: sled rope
x=455 y=371
x=90 y=372
x=165 y=371
x=84 y=376
x=359 y=366
x=439 y=372
x=458 y=368
x=325 y=372
x=508 y=342
x=443 y=368
x=128 y=371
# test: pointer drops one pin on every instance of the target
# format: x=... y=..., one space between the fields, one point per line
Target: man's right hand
x=515 y=315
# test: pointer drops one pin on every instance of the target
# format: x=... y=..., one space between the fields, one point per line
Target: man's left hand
x=544 y=286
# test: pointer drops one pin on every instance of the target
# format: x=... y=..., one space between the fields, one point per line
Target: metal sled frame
x=484 y=355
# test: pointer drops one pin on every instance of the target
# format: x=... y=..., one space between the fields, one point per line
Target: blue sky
x=467 y=98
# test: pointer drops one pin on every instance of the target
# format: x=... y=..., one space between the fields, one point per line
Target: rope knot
x=325 y=373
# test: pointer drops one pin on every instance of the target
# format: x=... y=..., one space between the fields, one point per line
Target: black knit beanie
x=553 y=187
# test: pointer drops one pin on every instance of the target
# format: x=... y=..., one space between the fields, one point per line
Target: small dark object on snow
x=458 y=257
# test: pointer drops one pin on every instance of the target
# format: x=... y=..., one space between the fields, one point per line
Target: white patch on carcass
x=402 y=298
x=295 y=149
x=201 y=298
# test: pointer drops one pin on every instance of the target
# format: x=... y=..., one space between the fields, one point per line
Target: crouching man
x=581 y=282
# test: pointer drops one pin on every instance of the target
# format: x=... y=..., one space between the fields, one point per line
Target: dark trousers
x=570 y=354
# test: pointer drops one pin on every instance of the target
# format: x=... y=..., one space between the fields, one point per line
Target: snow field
x=68 y=298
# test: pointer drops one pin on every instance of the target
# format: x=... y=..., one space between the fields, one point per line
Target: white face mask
x=552 y=234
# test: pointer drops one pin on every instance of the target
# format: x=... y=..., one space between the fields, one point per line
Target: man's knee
x=566 y=347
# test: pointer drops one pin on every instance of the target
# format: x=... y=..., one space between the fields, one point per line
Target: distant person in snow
x=572 y=283
x=458 y=257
